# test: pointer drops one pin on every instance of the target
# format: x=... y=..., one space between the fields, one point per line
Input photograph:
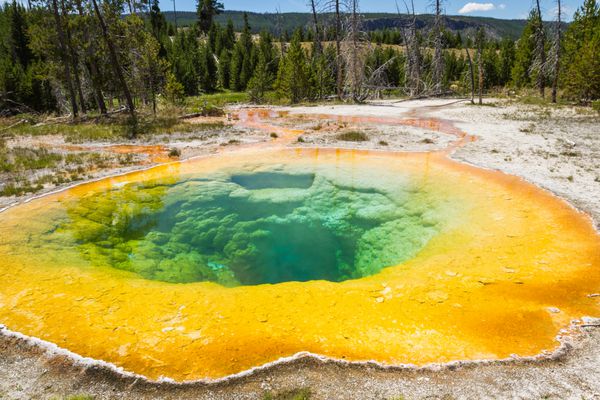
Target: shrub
x=353 y=136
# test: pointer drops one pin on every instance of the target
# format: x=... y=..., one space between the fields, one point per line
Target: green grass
x=21 y=159
x=353 y=136
x=106 y=130
x=294 y=394
x=220 y=99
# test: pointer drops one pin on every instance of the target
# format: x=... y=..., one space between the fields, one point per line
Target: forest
x=79 y=57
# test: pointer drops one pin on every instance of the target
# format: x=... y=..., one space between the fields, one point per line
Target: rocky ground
x=557 y=148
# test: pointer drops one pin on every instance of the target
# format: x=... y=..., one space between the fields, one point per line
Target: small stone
x=437 y=296
x=451 y=273
x=263 y=318
x=380 y=299
x=553 y=310
x=594 y=295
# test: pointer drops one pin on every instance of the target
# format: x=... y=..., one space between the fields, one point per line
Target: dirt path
x=557 y=149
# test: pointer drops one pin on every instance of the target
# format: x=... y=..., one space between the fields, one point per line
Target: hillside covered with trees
x=86 y=56
x=289 y=21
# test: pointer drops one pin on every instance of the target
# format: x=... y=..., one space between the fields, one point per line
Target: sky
x=507 y=9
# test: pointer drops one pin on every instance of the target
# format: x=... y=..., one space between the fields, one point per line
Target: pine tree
x=207 y=9
x=243 y=59
x=261 y=82
x=524 y=54
x=158 y=23
x=293 y=81
x=208 y=70
x=225 y=69
x=581 y=72
x=507 y=60
x=173 y=89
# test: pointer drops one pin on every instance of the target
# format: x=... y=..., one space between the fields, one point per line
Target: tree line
x=80 y=56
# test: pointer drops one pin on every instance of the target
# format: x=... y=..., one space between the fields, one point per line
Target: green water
x=252 y=226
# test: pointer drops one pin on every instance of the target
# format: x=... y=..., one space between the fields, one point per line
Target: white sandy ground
x=555 y=148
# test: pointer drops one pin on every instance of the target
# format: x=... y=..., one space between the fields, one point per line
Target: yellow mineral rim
x=511 y=266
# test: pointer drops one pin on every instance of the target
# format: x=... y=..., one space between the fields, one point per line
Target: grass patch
x=110 y=129
x=353 y=136
x=221 y=99
x=294 y=394
x=21 y=159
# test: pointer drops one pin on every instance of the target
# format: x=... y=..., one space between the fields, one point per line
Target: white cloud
x=473 y=7
x=502 y=6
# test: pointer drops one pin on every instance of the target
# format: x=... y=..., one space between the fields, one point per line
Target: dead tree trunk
x=65 y=57
x=413 y=51
x=317 y=46
x=338 y=49
x=175 y=16
x=354 y=64
x=540 y=41
x=279 y=29
x=438 y=61
x=472 y=75
x=557 y=39
x=480 y=42
x=115 y=63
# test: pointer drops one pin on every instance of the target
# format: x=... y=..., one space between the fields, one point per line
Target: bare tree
x=353 y=55
x=413 y=63
x=557 y=40
x=540 y=51
x=279 y=31
x=438 y=60
x=175 y=16
x=337 y=7
x=338 y=48
x=317 y=45
x=480 y=40
x=115 y=62
x=64 y=53
x=472 y=74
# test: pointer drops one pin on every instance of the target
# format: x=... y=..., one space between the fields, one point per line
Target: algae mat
x=210 y=267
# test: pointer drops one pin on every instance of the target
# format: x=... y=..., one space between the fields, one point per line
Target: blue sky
x=508 y=9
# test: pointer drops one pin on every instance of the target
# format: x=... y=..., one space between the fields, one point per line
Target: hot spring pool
x=207 y=268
